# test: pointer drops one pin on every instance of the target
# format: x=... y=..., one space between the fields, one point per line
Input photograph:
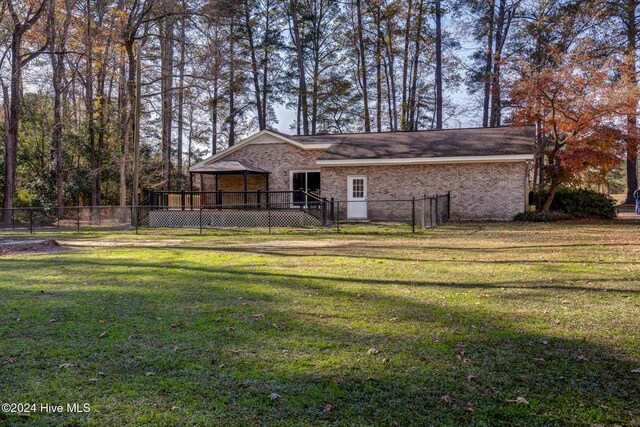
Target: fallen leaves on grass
x=520 y=400
x=373 y=351
x=149 y=374
x=582 y=358
x=447 y=398
x=328 y=408
x=274 y=396
x=636 y=371
x=66 y=366
x=102 y=335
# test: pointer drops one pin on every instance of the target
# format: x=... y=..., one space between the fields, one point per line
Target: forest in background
x=101 y=97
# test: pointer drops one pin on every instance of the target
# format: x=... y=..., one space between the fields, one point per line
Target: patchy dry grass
x=180 y=329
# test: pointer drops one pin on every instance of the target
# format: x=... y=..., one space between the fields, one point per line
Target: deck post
x=413 y=215
x=324 y=211
x=182 y=199
x=244 y=174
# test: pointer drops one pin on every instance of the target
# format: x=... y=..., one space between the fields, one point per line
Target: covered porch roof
x=228 y=167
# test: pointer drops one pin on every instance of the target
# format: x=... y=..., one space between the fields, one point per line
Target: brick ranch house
x=485 y=169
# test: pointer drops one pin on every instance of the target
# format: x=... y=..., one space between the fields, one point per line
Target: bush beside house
x=571 y=203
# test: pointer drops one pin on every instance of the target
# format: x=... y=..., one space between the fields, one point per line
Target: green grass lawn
x=448 y=327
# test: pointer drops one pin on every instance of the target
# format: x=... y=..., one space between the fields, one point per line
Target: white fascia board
x=252 y=140
x=427 y=160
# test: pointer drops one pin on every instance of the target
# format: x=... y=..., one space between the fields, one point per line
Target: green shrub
x=542 y=216
x=580 y=203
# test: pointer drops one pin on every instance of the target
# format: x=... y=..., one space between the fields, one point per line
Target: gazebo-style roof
x=229 y=167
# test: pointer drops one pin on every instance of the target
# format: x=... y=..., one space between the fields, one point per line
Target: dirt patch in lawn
x=299 y=244
x=124 y=242
x=33 y=246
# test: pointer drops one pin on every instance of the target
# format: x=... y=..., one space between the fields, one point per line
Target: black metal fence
x=419 y=213
x=75 y=217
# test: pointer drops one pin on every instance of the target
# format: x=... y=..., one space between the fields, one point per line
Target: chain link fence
x=419 y=213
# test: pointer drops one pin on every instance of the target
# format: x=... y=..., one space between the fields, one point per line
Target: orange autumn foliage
x=579 y=106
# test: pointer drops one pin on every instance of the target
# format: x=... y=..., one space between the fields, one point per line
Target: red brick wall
x=478 y=190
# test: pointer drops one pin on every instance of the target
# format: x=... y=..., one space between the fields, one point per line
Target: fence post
x=258 y=198
x=78 y=219
x=182 y=199
x=448 y=205
x=201 y=220
x=333 y=212
x=437 y=210
x=337 y=217
x=218 y=199
x=31 y=221
x=269 y=218
x=324 y=211
x=423 y=216
x=413 y=215
x=135 y=216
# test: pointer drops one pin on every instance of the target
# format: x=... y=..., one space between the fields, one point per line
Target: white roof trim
x=251 y=140
x=427 y=160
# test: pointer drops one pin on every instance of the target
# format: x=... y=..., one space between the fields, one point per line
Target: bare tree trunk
x=232 y=88
x=363 y=68
x=438 y=76
x=302 y=81
x=125 y=132
x=57 y=56
x=405 y=68
x=166 y=47
x=12 y=111
x=266 y=63
x=214 y=99
x=12 y=126
x=488 y=64
x=89 y=106
x=378 y=60
x=632 y=130
x=413 y=97
x=254 y=66
x=180 y=118
x=391 y=80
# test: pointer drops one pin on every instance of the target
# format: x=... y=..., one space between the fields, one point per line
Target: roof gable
x=263 y=137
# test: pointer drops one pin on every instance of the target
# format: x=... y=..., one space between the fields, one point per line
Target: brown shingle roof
x=227 y=167
x=422 y=144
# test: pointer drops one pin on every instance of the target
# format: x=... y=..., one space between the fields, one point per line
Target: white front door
x=357 y=197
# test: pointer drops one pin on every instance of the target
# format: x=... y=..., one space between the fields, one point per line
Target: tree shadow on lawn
x=207 y=345
x=133 y=268
x=370 y=252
